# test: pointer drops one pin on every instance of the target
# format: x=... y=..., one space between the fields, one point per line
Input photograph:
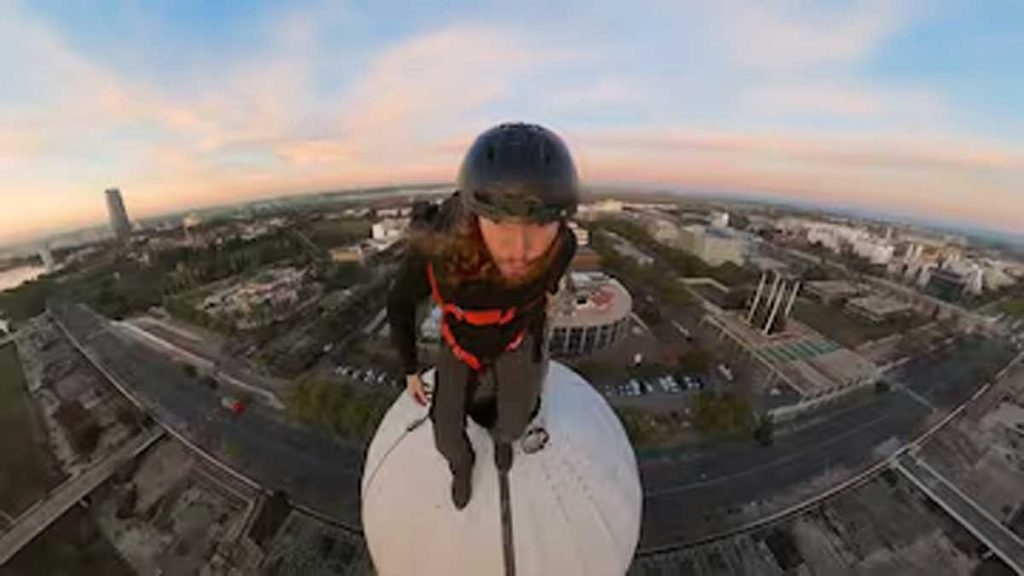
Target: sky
x=909 y=108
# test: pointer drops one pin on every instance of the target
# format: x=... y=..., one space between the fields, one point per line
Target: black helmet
x=519 y=171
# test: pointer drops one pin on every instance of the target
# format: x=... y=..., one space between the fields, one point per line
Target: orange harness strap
x=474 y=317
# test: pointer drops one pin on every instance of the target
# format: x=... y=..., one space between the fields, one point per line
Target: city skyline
x=912 y=111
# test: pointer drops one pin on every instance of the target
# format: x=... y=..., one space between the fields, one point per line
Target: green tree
x=720 y=414
x=695 y=361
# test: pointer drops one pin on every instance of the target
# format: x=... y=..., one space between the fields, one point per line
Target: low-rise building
x=591 y=314
x=581 y=233
x=879 y=308
x=719 y=219
x=270 y=295
x=354 y=253
x=832 y=291
x=718 y=246
x=389 y=228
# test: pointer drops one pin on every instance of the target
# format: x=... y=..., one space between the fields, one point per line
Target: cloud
x=602 y=93
x=790 y=35
x=432 y=86
x=845 y=98
x=953 y=177
x=302 y=110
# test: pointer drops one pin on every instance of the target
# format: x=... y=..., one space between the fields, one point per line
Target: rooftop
x=880 y=305
x=595 y=298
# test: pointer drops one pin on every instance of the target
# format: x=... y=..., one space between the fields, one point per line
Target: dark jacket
x=411 y=286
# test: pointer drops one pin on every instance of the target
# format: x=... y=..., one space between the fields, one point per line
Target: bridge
x=1004 y=543
x=37 y=518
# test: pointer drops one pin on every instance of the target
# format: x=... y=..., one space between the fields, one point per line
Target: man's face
x=516 y=245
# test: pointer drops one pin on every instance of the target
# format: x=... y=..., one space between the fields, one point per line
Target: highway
x=321 y=473
x=314 y=469
x=34 y=520
x=680 y=490
x=960 y=506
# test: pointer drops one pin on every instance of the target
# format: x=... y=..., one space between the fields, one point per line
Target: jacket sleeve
x=562 y=261
x=408 y=289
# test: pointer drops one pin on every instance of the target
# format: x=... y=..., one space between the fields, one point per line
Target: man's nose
x=520 y=243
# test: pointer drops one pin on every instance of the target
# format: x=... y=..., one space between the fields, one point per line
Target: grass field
x=23 y=475
x=846 y=327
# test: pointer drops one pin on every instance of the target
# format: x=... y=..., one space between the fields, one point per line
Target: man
x=490 y=256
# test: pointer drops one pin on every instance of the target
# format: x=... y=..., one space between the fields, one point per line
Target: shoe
x=462 y=489
x=503 y=456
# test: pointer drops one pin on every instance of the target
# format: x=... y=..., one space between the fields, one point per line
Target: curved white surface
x=575 y=504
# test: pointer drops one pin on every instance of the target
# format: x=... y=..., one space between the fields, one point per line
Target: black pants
x=514 y=383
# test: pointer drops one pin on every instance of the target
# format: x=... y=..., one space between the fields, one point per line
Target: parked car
x=726 y=372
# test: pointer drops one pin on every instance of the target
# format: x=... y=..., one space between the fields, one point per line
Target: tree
x=695 y=361
x=640 y=427
x=764 y=430
x=722 y=413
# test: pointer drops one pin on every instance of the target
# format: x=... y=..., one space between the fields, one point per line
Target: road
x=31 y=523
x=680 y=490
x=960 y=506
x=314 y=469
x=322 y=474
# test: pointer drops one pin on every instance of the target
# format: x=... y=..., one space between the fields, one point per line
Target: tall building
x=46 y=255
x=118 y=216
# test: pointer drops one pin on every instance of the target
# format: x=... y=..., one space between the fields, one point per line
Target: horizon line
x=746 y=196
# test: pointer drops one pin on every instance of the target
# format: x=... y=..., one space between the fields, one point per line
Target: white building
x=592 y=314
x=714 y=245
x=972 y=272
x=389 y=228
x=595 y=209
x=664 y=231
x=874 y=250
x=581 y=233
x=719 y=219
x=718 y=247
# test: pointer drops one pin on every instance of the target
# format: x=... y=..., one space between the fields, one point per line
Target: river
x=15 y=277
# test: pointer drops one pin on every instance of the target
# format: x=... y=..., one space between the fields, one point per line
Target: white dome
x=575 y=503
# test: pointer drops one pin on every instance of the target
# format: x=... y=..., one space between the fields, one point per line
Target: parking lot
x=368 y=377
